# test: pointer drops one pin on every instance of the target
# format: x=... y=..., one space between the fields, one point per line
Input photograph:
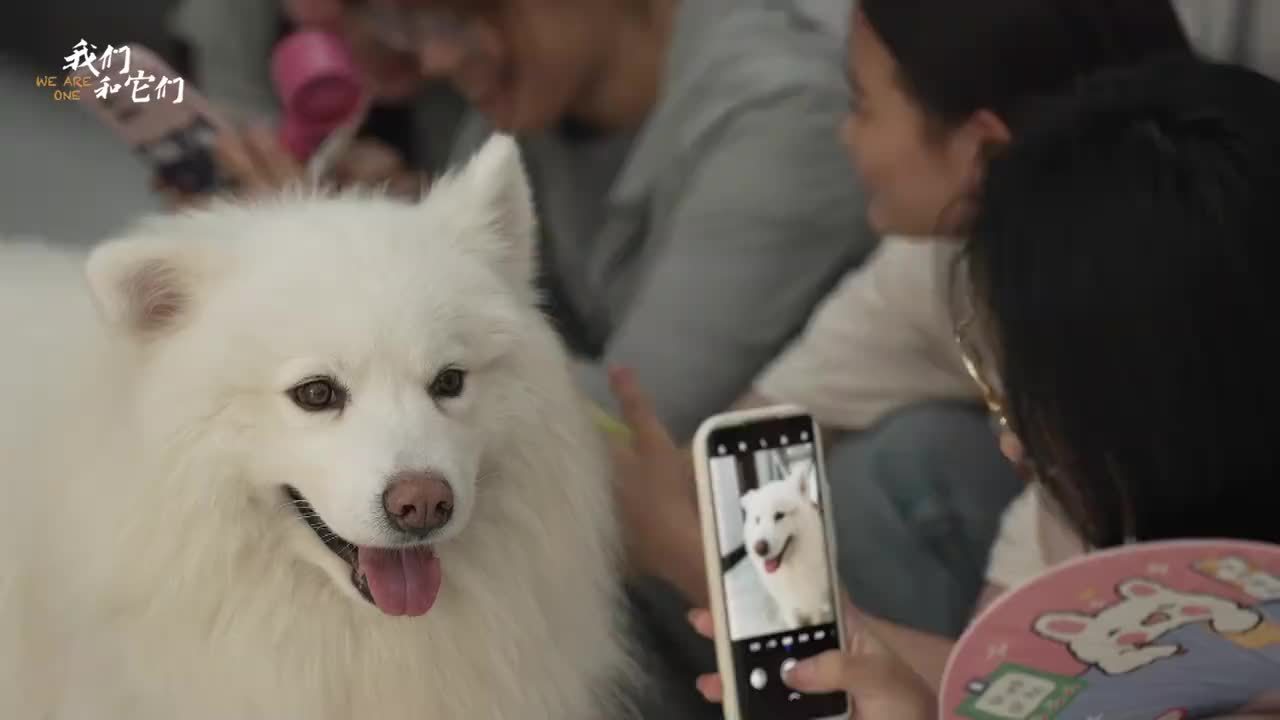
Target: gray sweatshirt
x=693 y=250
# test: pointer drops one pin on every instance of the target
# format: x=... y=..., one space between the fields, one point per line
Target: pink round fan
x=1160 y=631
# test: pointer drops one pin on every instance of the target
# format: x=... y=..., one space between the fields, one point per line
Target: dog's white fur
x=154 y=569
x=781 y=514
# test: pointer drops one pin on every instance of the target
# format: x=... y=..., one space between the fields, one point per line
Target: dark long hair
x=1123 y=256
x=956 y=57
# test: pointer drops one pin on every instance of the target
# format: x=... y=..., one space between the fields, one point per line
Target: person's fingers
x=624 y=458
x=863 y=656
x=173 y=198
x=854 y=618
x=1011 y=447
x=409 y=185
x=314 y=13
x=702 y=622
x=711 y=687
x=833 y=671
x=637 y=410
x=170 y=195
x=238 y=161
x=367 y=162
x=876 y=680
x=270 y=156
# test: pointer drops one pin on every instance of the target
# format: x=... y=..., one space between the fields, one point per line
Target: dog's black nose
x=418 y=501
x=761 y=548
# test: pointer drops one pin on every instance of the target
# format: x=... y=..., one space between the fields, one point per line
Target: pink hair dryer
x=316 y=81
x=319 y=88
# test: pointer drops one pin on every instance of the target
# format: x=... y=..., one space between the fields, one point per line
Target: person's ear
x=989 y=129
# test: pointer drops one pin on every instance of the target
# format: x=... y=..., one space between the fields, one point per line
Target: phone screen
x=780 y=598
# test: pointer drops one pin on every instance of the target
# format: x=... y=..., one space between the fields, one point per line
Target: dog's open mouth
x=772 y=564
x=398 y=581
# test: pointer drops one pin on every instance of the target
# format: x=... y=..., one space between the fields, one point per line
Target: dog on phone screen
x=314 y=457
x=785 y=539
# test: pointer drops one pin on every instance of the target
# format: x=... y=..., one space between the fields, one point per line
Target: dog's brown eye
x=448 y=384
x=778 y=516
x=319 y=395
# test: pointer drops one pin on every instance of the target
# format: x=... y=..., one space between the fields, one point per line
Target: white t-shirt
x=1238 y=31
x=1030 y=541
x=883 y=339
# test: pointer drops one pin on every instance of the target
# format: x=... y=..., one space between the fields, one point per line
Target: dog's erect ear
x=494 y=187
x=147 y=285
x=799 y=476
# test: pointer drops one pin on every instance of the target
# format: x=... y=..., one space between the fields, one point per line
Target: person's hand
x=1011 y=448
x=657 y=496
x=879 y=684
x=257 y=163
x=1013 y=451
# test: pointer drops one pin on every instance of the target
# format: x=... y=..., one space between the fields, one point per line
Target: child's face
x=916 y=174
x=522 y=63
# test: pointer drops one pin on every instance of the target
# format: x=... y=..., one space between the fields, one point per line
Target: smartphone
x=175 y=134
x=769 y=546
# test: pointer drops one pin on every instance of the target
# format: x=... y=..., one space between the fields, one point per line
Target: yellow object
x=610 y=424
x=1266 y=635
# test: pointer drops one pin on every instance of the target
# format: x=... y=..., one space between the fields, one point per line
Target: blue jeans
x=917 y=501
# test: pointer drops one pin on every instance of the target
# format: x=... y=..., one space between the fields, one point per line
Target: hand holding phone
x=167 y=123
x=178 y=134
x=879 y=684
x=768 y=544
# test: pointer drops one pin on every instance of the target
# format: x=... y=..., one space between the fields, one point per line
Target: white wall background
x=724 y=488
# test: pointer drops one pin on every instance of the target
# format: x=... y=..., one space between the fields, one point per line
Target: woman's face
x=522 y=63
x=916 y=174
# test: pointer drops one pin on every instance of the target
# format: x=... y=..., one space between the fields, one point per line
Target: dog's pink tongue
x=771 y=565
x=402 y=582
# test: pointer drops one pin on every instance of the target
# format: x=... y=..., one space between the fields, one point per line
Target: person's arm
x=770 y=218
x=880 y=341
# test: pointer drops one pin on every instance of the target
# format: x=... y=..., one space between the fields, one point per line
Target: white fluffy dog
x=317 y=458
x=784 y=536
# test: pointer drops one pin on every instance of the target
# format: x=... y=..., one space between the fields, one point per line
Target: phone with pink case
x=174 y=134
x=315 y=78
